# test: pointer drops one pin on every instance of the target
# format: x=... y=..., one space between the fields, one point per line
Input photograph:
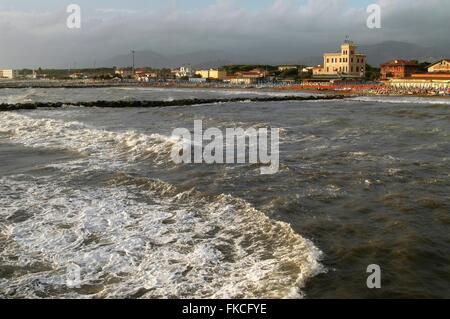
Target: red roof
x=400 y=63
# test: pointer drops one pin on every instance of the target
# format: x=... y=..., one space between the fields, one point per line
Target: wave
x=139 y=238
x=403 y=100
x=134 y=237
x=89 y=141
x=16 y=96
x=225 y=92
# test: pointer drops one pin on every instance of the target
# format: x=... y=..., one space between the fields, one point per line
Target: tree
x=424 y=66
x=372 y=74
x=289 y=73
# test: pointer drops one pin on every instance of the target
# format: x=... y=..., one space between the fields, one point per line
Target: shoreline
x=61 y=84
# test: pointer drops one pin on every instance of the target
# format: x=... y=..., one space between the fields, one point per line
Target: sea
x=93 y=193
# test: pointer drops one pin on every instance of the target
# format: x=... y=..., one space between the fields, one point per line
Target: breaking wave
x=101 y=144
x=403 y=100
x=225 y=92
x=15 y=96
x=134 y=237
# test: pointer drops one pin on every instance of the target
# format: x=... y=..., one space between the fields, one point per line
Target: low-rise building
x=399 y=69
x=283 y=68
x=442 y=66
x=78 y=76
x=423 y=81
x=143 y=75
x=215 y=74
x=182 y=72
x=8 y=74
x=125 y=73
x=317 y=70
x=247 y=77
x=409 y=76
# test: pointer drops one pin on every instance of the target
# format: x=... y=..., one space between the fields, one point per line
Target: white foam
x=16 y=96
x=128 y=238
x=403 y=99
x=224 y=92
x=101 y=144
x=136 y=238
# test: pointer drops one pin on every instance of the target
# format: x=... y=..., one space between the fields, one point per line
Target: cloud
x=286 y=28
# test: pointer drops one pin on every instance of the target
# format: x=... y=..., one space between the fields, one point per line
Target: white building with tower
x=347 y=63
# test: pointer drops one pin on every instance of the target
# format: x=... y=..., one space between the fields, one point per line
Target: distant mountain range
x=385 y=51
x=376 y=53
x=200 y=59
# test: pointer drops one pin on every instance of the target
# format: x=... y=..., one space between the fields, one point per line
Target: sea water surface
x=362 y=181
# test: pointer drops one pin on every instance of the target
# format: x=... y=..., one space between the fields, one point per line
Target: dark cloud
x=285 y=29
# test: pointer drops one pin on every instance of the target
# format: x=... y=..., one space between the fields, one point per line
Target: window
x=357 y=69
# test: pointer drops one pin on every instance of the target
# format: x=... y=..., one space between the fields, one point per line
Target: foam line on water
x=143 y=238
x=136 y=237
x=101 y=144
x=403 y=99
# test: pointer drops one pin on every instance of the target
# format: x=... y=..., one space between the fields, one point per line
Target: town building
x=125 y=73
x=182 y=72
x=8 y=74
x=317 y=70
x=345 y=64
x=422 y=81
x=283 y=68
x=247 y=77
x=143 y=75
x=399 y=69
x=214 y=74
x=77 y=76
x=407 y=74
x=442 y=66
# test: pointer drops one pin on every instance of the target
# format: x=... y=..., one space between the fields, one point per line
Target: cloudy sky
x=34 y=32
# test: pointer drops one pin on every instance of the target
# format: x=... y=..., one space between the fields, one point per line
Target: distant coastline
x=74 y=84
